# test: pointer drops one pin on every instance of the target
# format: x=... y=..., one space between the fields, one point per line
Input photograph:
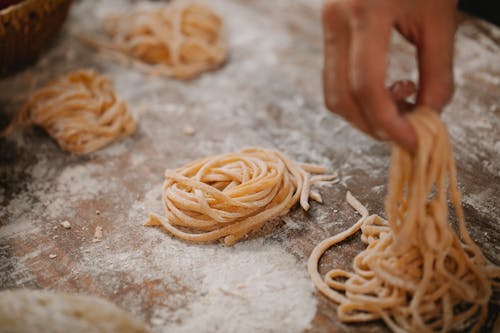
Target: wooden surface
x=269 y=94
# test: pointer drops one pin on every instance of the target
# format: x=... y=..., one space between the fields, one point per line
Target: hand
x=356 y=41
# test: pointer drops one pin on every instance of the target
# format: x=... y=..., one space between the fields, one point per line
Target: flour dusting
x=253 y=286
x=269 y=95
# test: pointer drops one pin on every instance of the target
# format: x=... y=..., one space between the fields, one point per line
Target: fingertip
x=406 y=136
x=435 y=65
x=436 y=94
x=395 y=126
x=389 y=123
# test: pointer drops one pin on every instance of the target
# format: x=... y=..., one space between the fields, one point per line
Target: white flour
x=269 y=94
x=253 y=286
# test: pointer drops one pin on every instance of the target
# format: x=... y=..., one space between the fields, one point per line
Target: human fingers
x=400 y=92
x=368 y=65
x=435 y=61
x=336 y=88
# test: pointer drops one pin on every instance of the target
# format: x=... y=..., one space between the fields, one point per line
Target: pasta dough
x=80 y=111
x=180 y=40
x=416 y=274
x=230 y=195
x=29 y=311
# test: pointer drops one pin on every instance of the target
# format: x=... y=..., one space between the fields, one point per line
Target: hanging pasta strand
x=416 y=274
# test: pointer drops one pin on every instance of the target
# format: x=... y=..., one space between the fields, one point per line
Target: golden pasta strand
x=80 y=111
x=230 y=195
x=416 y=274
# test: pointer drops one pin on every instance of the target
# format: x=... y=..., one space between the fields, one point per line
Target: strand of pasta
x=230 y=195
x=416 y=274
x=80 y=111
x=181 y=40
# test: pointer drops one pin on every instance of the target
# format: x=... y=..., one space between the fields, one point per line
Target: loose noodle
x=180 y=40
x=230 y=195
x=416 y=274
x=80 y=111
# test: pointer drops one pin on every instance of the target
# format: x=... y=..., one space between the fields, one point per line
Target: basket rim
x=24 y=3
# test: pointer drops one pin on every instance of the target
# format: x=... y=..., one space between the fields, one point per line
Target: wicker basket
x=26 y=28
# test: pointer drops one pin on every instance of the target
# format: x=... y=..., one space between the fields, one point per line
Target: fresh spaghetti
x=228 y=196
x=416 y=274
x=80 y=111
x=181 y=40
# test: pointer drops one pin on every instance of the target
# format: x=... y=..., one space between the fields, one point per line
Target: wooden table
x=268 y=94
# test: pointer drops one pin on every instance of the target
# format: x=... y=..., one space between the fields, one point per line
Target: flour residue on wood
x=253 y=286
x=268 y=94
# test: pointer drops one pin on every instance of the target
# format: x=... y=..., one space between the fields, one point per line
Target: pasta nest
x=180 y=40
x=227 y=196
x=80 y=111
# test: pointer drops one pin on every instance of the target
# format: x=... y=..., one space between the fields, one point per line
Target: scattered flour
x=253 y=286
x=257 y=285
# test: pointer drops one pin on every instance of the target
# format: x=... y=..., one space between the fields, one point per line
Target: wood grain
x=269 y=94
